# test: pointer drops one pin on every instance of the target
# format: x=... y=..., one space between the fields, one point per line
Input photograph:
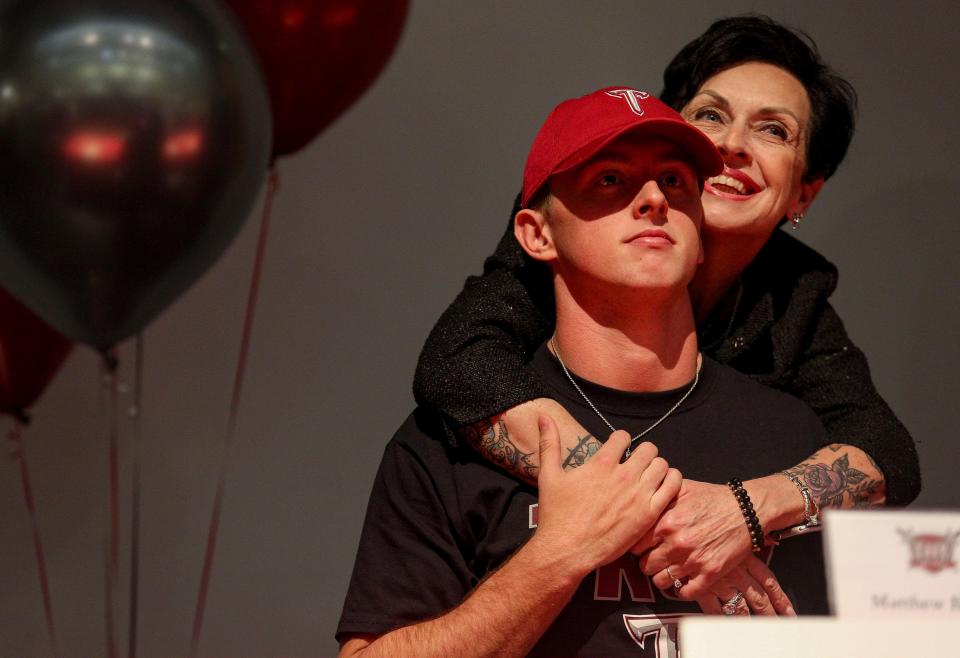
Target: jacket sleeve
x=474 y=362
x=832 y=376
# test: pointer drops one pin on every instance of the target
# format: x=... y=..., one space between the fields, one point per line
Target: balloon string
x=135 y=415
x=4 y=376
x=108 y=598
x=273 y=185
x=112 y=539
x=16 y=436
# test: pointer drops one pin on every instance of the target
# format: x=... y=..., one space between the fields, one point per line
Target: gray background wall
x=377 y=224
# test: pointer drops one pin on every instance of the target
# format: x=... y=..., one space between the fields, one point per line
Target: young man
x=459 y=559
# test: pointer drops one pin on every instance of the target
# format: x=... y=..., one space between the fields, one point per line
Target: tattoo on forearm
x=584 y=450
x=831 y=484
x=492 y=442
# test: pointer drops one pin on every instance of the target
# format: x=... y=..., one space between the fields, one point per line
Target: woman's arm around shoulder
x=474 y=364
x=833 y=378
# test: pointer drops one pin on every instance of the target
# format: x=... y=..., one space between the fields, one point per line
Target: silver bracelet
x=793 y=531
x=810 y=509
x=811 y=521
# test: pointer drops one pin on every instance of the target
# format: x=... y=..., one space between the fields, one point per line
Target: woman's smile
x=758 y=117
x=733 y=184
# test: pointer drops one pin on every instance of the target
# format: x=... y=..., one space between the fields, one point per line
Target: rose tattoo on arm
x=831 y=485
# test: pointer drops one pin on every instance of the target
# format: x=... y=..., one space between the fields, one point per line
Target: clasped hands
x=683 y=531
x=701 y=542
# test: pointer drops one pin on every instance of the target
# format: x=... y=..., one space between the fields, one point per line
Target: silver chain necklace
x=696 y=378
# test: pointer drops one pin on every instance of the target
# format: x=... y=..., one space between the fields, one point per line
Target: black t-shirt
x=441 y=518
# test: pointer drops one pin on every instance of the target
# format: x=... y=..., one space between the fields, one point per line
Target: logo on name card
x=930 y=551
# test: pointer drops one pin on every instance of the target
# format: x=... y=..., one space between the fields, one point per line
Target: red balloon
x=31 y=352
x=318 y=57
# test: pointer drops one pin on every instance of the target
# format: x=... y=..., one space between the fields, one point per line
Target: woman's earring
x=795 y=220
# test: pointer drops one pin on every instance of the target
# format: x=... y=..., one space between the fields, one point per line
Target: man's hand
x=595 y=513
x=701 y=537
x=588 y=517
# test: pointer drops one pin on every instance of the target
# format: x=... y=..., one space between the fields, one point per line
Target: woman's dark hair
x=757 y=38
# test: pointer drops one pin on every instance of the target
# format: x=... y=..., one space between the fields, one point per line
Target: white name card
x=817 y=637
x=892 y=563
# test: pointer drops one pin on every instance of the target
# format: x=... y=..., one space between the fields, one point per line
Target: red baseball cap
x=578 y=128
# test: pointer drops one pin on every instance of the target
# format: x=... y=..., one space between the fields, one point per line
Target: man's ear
x=532 y=231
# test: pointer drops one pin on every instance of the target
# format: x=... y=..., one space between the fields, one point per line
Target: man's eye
x=606 y=180
x=671 y=180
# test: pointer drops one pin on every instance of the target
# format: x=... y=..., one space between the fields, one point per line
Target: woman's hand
x=701 y=537
x=760 y=590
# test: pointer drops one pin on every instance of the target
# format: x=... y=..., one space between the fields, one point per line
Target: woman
x=782 y=121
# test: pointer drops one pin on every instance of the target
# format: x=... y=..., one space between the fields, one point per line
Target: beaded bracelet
x=749 y=515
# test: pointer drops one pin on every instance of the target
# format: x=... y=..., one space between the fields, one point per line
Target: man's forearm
x=504 y=616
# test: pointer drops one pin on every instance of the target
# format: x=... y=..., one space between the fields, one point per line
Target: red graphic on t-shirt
x=656 y=635
x=610 y=578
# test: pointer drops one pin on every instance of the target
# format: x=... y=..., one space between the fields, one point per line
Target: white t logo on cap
x=633 y=98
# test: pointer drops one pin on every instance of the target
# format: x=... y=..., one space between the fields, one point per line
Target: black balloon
x=134 y=137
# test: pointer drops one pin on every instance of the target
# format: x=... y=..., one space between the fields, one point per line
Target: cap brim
x=707 y=160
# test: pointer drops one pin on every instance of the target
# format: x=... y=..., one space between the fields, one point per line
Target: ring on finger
x=677 y=583
x=729 y=607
